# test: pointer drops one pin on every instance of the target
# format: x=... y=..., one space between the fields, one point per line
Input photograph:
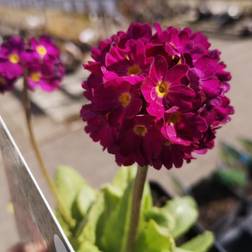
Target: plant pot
x=239 y=235
x=217 y=203
x=225 y=211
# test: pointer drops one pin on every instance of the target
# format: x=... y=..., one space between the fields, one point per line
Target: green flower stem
x=136 y=206
x=27 y=109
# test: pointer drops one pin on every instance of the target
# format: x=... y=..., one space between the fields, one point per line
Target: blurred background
x=77 y=25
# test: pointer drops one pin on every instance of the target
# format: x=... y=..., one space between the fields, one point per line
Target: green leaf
x=154 y=238
x=200 y=243
x=231 y=177
x=161 y=216
x=87 y=247
x=87 y=229
x=85 y=199
x=116 y=228
x=147 y=202
x=117 y=217
x=76 y=194
x=181 y=250
x=185 y=213
x=69 y=184
x=103 y=218
x=112 y=197
x=123 y=177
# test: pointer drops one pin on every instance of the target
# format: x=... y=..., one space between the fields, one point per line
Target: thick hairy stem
x=27 y=109
x=136 y=206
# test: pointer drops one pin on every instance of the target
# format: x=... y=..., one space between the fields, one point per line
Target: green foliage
x=199 y=243
x=69 y=185
x=230 y=154
x=231 y=177
x=236 y=164
x=88 y=247
x=154 y=238
x=162 y=217
x=118 y=220
x=184 y=212
x=247 y=144
x=102 y=218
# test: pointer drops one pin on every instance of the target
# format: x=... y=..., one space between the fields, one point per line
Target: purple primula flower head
x=156 y=96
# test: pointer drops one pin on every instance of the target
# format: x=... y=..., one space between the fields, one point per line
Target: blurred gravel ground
x=67 y=144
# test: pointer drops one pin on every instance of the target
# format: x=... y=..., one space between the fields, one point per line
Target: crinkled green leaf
x=181 y=250
x=161 y=216
x=154 y=238
x=200 y=243
x=112 y=197
x=123 y=176
x=76 y=194
x=69 y=184
x=85 y=199
x=146 y=206
x=118 y=216
x=185 y=213
x=87 y=247
x=87 y=229
x=103 y=218
x=147 y=202
x=116 y=227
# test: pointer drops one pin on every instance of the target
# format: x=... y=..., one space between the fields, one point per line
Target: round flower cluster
x=156 y=97
x=38 y=60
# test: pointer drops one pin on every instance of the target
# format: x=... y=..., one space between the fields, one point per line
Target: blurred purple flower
x=38 y=60
x=46 y=75
x=44 y=48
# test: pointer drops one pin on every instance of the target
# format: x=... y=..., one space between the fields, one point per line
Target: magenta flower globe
x=156 y=96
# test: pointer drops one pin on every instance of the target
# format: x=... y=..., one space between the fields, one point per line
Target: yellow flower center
x=177 y=59
x=2 y=81
x=35 y=76
x=125 y=99
x=14 y=58
x=140 y=130
x=41 y=50
x=134 y=69
x=162 y=89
